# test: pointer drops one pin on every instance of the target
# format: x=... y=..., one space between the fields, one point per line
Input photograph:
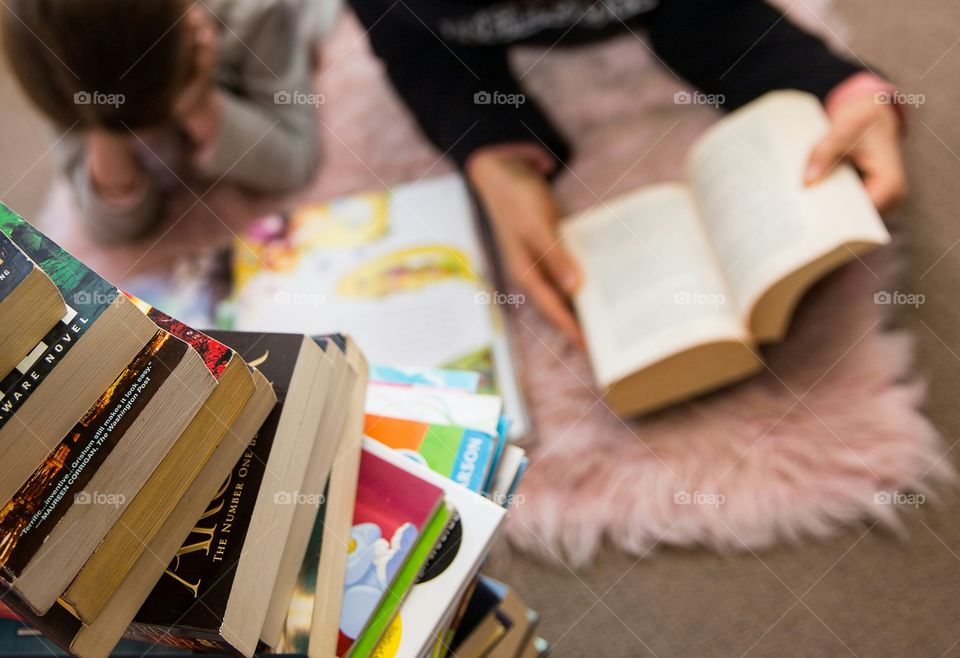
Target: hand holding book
x=520 y=205
x=510 y=182
x=685 y=280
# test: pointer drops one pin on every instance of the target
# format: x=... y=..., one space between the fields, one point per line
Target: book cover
x=392 y=508
x=216 y=356
x=39 y=505
x=430 y=537
x=84 y=292
x=410 y=253
x=462 y=380
x=435 y=405
x=15 y=267
x=432 y=601
x=524 y=620
x=475 y=627
x=461 y=454
x=190 y=600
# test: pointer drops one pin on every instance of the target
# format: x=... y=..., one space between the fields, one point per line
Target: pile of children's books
x=214 y=492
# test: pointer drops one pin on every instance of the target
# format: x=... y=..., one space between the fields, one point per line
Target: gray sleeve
x=268 y=136
x=107 y=221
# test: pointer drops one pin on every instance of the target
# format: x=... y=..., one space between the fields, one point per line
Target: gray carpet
x=865 y=593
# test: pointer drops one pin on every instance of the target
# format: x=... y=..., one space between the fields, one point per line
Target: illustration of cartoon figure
x=372 y=563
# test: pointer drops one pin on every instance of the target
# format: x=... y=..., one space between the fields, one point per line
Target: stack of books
x=445 y=445
x=151 y=475
x=237 y=493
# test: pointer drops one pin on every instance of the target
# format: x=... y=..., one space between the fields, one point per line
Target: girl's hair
x=108 y=64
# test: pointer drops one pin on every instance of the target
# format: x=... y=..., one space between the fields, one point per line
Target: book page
x=652 y=285
x=747 y=174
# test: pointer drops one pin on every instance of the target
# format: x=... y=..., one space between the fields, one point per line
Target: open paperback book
x=682 y=281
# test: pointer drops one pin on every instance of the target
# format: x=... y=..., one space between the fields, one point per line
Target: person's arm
x=464 y=98
x=117 y=199
x=506 y=150
x=256 y=138
x=741 y=49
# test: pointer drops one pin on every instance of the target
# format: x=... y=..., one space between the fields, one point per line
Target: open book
x=683 y=280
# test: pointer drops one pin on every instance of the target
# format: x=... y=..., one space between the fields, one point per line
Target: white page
x=747 y=176
x=652 y=284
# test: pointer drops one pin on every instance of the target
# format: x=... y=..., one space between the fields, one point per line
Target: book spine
x=85 y=293
x=472 y=465
x=28 y=518
x=216 y=356
x=15 y=267
x=179 y=637
x=17 y=386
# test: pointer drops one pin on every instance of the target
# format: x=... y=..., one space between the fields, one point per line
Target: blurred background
x=867 y=592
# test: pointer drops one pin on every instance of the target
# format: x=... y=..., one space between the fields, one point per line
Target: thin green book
x=424 y=549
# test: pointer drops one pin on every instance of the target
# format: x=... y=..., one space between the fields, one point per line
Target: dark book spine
x=179 y=637
x=190 y=600
x=15 y=267
x=87 y=297
x=31 y=515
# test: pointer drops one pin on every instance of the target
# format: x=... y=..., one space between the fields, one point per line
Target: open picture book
x=683 y=281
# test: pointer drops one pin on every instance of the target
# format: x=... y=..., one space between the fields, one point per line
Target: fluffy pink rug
x=800 y=451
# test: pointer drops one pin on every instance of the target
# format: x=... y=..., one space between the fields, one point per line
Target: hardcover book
x=411 y=253
x=436 y=405
x=392 y=508
x=464 y=455
x=461 y=380
x=431 y=537
x=432 y=602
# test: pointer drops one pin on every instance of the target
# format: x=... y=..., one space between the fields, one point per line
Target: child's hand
x=518 y=200
x=115 y=173
x=866 y=133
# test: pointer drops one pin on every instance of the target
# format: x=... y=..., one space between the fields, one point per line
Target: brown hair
x=108 y=64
